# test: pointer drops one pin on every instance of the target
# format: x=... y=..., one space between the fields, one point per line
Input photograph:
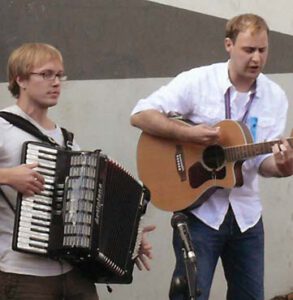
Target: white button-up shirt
x=199 y=95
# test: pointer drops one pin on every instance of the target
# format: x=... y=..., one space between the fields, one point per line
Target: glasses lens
x=48 y=75
x=62 y=77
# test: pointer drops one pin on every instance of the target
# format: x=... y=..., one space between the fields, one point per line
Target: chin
x=254 y=72
x=253 y=75
x=51 y=103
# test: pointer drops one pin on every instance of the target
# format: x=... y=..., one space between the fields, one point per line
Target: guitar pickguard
x=198 y=175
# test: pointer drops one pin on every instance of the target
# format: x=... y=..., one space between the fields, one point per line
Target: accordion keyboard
x=36 y=211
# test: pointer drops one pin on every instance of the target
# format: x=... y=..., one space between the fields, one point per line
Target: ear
x=21 y=82
x=228 y=44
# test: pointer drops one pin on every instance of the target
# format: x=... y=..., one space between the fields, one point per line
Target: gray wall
x=118 y=51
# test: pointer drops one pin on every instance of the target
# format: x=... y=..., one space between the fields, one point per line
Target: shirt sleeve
x=172 y=97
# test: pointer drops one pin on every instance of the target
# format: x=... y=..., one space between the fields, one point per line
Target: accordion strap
x=27 y=126
x=68 y=138
x=7 y=201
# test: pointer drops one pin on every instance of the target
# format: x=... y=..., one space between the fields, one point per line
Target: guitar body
x=183 y=175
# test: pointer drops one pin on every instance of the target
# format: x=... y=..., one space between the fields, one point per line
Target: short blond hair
x=26 y=57
x=243 y=22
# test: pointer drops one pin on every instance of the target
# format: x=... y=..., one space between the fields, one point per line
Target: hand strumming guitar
x=202 y=134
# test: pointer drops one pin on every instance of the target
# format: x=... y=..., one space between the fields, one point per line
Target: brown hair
x=243 y=22
x=23 y=59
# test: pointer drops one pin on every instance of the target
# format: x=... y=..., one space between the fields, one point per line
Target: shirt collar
x=224 y=79
x=226 y=83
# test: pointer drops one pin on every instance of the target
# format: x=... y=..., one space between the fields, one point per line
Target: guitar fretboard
x=242 y=152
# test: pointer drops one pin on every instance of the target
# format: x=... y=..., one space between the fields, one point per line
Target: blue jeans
x=242 y=256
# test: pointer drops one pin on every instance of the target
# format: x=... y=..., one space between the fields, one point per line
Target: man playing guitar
x=229 y=223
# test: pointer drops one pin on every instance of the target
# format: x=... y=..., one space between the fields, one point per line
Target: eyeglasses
x=50 y=75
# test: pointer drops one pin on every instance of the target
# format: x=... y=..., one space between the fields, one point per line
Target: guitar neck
x=236 y=153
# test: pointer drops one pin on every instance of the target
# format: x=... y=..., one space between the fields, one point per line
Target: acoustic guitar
x=183 y=175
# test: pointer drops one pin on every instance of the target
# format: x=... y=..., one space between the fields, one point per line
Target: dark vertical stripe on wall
x=124 y=38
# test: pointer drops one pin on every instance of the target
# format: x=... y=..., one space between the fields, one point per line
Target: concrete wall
x=118 y=51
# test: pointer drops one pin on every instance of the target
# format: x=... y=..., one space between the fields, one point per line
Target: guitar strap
x=27 y=126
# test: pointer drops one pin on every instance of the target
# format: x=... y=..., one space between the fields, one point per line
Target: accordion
x=89 y=213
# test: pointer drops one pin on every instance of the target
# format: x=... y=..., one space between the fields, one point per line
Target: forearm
x=156 y=123
x=269 y=168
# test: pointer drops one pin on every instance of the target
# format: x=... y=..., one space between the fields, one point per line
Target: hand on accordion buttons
x=145 y=250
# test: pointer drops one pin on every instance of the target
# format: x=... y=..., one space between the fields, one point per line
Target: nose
x=56 y=80
x=256 y=56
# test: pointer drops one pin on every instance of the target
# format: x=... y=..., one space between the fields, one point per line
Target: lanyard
x=228 y=105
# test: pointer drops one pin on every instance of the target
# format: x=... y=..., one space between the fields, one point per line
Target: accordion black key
x=89 y=213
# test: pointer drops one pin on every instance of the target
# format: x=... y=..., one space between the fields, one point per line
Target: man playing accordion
x=35 y=74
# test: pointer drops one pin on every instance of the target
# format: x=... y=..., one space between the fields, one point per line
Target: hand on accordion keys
x=145 y=250
x=25 y=179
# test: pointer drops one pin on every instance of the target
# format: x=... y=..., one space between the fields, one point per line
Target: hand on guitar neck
x=183 y=174
x=281 y=163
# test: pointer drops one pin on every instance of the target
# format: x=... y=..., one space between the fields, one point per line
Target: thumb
x=149 y=228
x=31 y=166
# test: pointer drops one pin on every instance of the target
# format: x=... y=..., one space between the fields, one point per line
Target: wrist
x=285 y=173
x=183 y=132
x=3 y=176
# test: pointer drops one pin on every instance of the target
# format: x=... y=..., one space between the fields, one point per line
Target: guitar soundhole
x=213 y=157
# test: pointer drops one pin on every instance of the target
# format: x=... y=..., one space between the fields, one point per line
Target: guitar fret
x=228 y=154
x=242 y=152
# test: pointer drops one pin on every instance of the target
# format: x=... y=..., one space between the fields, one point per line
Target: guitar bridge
x=180 y=163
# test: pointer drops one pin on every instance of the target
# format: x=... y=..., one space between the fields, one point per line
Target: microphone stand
x=186 y=284
x=191 y=275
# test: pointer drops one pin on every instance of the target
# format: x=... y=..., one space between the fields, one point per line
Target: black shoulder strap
x=27 y=126
x=68 y=138
x=7 y=200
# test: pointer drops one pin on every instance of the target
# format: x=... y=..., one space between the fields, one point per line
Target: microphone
x=178 y=222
